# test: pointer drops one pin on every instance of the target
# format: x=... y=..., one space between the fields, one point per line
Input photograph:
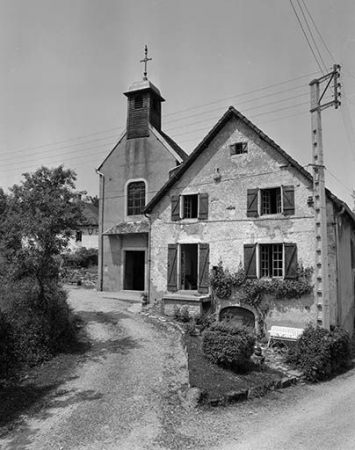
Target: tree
x=40 y=216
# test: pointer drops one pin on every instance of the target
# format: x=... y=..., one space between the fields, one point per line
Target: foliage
x=181 y=313
x=37 y=218
x=6 y=345
x=205 y=320
x=36 y=329
x=253 y=289
x=82 y=257
x=228 y=345
x=40 y=216
x=319 y=353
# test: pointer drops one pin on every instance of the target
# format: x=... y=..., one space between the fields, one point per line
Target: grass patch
x=216 y=382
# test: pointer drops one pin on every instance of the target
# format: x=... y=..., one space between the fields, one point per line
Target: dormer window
x=138 y=102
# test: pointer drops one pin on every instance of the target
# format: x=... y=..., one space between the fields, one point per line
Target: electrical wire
x=305 y=35
x=311 y=34
x=319 y=34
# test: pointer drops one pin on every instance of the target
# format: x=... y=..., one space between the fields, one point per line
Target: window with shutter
x=175 y=207
x=172 y=267
x=290 y=260
x=203 y=206
x=252 y=202
x=250 y=260
x=203 y=274
x=288 y=200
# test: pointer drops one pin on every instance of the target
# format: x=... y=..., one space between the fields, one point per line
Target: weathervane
x=145 y=60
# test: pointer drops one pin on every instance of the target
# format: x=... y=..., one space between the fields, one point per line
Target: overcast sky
x=64 y=65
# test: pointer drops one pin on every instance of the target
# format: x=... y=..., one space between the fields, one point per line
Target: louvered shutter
x=203 y=206
x=252 y=203
x=175 y=207
x=172 y=267
x=203 y=273
x=250 y=260
x=288 y=194
x=290 y=260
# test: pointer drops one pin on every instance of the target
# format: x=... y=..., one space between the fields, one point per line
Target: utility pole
x=322 y=268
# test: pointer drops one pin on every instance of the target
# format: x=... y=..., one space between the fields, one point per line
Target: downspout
x=337 y=240
x=149 y=255
x=101 y=225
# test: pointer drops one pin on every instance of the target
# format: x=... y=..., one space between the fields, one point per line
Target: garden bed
x=217 y=383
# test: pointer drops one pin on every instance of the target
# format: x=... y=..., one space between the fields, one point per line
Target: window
x=138 y=102
x=270 y=260
x=271 y=201
x=188 y=267
x=135 y=198
x=78 y=236
x=192 y=206
x=238 y=148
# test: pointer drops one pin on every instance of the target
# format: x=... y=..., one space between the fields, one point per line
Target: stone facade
x=235 y=162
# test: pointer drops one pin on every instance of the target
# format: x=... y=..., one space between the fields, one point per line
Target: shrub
x=38 y=328
x=320 y=353
x=205 y=320
x=6 y=345
x=228 y=345
x=181 y=313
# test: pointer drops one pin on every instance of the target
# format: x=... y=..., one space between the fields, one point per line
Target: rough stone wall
x=228 y=228
x=345 y=305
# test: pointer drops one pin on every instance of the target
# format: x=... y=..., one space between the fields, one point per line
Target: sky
x=64 y=66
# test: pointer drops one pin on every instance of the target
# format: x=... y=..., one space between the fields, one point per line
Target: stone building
x=130 y=176
x=241 y=201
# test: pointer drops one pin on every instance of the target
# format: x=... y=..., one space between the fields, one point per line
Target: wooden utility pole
x=322 y=268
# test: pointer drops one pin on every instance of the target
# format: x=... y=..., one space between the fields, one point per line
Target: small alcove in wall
x=239 y=315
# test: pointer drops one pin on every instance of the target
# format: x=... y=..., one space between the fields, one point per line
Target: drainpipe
x=149 y=254
x=101 y=230
x=337 y=240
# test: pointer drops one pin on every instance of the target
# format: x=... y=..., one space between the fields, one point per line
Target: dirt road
x=126 y=395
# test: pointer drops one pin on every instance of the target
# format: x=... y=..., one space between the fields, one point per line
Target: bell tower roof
x=142 y=86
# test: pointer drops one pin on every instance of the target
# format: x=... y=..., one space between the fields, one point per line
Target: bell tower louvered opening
x=144 y=108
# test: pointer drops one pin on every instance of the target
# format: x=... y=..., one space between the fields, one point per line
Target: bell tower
x=144 y=106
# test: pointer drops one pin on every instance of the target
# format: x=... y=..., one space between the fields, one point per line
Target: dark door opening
x=134 y=271
x=189 y=266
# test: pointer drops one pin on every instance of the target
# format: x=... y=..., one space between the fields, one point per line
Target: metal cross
x=145 y=60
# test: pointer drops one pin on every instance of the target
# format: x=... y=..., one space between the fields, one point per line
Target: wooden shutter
x=175 y=207
x=203 y=206
x=290 y=260
x=252 y=203
x=203 y=272
x=288 y=194
x=250 y=260
x=172 y=267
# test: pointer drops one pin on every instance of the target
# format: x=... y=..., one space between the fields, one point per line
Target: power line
x=311 y=34
x=315 y=26
x=305 y=35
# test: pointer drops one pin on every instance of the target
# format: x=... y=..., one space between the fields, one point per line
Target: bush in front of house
x=228 y=345
x=320 y=353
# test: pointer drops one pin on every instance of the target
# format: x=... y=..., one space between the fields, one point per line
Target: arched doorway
x=238 y=315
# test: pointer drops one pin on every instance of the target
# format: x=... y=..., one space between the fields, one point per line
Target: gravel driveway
x=127 y=393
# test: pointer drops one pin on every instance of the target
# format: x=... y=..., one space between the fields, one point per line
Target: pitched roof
x=230 y=113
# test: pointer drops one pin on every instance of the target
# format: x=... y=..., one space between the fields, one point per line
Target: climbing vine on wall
x=223 y=281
